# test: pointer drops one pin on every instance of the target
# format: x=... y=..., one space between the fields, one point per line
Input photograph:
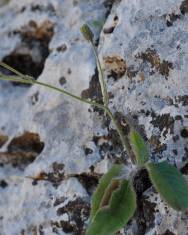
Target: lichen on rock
x=53 y=150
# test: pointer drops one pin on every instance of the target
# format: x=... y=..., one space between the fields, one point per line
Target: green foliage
x=139 y=148
x=103 y=184
x=169 y=182
x=112 y=217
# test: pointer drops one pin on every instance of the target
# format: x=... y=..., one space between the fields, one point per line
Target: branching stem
x=29 y=80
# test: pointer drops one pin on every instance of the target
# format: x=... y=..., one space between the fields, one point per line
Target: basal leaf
x=139 y=148
x=103 y=184
x=109 y=219
x=169 y=182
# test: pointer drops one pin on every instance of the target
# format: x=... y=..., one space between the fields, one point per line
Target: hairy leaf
x=109 y=219
x=139 y=148
x=169 y=182
x=103 y=184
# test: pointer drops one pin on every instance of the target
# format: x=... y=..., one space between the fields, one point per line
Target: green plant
x=114 y=201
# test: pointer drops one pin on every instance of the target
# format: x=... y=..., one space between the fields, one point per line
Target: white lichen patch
x=151 y=37
x=154 y=87
x=164 y=218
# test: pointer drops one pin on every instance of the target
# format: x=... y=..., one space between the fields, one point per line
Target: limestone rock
x=53 y=150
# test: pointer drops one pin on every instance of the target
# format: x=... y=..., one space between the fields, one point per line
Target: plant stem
x=29 y=80
x=101 y=76
x=6 y=66
x=32 y=81
x=123 y=139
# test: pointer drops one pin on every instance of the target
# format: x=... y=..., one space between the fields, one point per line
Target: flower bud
x=87 y=33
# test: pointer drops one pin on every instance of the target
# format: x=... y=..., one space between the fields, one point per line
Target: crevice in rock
x=29 y=57
x=89 y=181
x=168 y=232
x=28 y=142
x=184 y=7
x=22 y=150
x=184 y=133
x=109 y=30
x=109 y=3
x=3 y=184
x=184 y=169
x=145 y=210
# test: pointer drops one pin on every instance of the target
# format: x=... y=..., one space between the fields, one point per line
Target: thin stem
x=124 y=140
x=6 y=66
x=29 y=80
x=101 y=77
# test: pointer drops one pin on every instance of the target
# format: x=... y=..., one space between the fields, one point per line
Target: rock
x=47 y=140
x=143 y=49
x=155 y=80
x=150 y=36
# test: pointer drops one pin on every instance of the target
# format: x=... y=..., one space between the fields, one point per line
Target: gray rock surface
x=53 y=149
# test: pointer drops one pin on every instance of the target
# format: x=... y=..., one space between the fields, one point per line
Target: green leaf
x=139 y=148
x=103 y=184
x=109 y=219
x=170 y=183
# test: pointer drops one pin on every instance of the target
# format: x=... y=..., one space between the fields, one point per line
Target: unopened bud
x=87 y=33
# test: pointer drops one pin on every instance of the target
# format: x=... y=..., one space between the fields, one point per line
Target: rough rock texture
x=45 y=136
